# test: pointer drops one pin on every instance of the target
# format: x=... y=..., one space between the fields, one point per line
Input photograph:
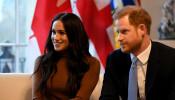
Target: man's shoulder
x=162 y=47
x=116 y=51
x=118 y=54
x=162 y=51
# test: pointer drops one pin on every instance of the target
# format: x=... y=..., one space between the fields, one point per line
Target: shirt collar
x=143 y=57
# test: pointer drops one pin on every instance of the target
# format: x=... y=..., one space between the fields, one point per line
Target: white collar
x=143 y=57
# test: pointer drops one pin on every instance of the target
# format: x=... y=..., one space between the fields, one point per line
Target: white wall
x=154 y=8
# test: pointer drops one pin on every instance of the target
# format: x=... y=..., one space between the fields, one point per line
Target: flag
x=44 y=13
x=97 y=20
x=117 y=4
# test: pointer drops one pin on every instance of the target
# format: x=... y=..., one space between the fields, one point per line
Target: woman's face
x=59 y=36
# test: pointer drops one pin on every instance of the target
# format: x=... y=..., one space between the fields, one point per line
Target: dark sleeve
x=89 y=80
x=35 y=81
x=109 y=91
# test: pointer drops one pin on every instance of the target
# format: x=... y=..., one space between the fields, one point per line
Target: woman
x=66 y=71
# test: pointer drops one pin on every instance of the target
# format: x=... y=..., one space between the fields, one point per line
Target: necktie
x=132 y=85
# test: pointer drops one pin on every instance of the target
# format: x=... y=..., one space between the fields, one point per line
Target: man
x=155 y=61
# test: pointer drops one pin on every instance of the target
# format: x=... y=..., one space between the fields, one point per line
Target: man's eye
x=123 y=31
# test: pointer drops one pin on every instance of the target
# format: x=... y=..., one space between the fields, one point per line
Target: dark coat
x=160 y=77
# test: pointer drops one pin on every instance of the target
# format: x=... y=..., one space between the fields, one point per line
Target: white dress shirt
x=142 y=63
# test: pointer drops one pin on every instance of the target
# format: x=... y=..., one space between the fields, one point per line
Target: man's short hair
x=136 y=16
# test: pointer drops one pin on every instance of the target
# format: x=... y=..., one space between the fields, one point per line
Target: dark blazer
x=160 y=77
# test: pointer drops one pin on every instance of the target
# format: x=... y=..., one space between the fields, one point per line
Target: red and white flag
x=44 y=13
x=96 y=17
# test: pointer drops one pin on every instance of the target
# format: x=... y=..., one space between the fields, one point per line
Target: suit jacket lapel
x=152 y=68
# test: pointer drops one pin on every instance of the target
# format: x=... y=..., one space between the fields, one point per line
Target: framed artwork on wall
x=166 y=28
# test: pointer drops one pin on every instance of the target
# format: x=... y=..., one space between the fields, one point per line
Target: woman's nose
x=57 y=36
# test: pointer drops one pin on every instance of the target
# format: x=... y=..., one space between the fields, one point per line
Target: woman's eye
x=62 y=33
x=53 y=32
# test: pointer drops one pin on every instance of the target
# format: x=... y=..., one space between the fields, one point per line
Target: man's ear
x=142 y=29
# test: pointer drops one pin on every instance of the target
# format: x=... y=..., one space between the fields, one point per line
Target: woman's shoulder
x=92 y=59
x=37 y=61
x=94 y=65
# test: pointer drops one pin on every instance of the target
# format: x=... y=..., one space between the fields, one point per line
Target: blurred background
x=15 y=30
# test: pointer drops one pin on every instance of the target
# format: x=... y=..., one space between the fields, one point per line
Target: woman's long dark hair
x=77 y=50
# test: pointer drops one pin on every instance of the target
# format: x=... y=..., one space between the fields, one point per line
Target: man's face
x=129 y=38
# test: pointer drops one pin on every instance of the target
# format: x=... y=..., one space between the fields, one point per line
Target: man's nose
x=120 y=37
